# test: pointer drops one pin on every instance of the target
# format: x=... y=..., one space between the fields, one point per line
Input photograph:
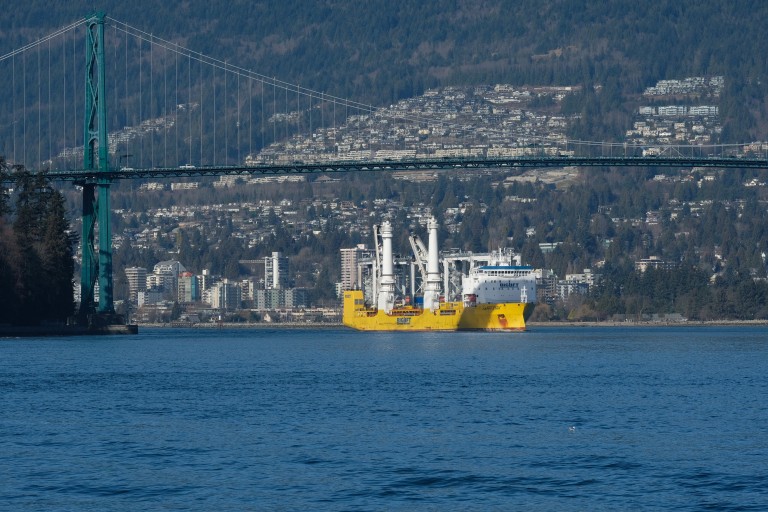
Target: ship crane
x=420 y=254
x=376 y=267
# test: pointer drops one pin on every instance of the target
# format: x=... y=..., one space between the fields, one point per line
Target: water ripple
x=557 y=419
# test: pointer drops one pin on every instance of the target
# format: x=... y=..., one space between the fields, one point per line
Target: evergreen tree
x=8 y=300
x=39 y=267
x=58 y=263
x=29 y=282
x=4 y=173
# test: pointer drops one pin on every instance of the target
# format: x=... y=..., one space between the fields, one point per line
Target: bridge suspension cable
x=174 y=106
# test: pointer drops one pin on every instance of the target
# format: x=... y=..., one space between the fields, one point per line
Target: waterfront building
x=296 y=298
x=225 y=295
x=137 y=282
x=567 y=288
x=149 y=296
x=281 y=298
x=188 y=288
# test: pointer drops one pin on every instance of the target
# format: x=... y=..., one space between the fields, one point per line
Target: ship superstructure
x=490 y=284
x=473 y=291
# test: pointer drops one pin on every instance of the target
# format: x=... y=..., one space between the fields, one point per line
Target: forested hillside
x=380 y=51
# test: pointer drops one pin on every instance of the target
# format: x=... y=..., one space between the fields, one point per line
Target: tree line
x=36 y=251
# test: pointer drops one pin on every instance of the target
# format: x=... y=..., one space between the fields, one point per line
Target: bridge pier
x=106 y=303
x=89 y=264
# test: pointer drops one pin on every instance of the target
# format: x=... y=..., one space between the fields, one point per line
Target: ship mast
x=432 y=288
x=386 y=295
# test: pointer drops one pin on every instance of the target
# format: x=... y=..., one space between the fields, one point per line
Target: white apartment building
x=137 y=282
x=224 y=295
x=276 y=271
x=350 y=257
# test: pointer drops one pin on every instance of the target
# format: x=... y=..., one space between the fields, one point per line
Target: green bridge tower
x=96 y=206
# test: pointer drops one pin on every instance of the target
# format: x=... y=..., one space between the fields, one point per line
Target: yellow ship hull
x=450 y=316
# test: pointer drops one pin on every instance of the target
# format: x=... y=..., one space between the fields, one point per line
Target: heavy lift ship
x=495 y=297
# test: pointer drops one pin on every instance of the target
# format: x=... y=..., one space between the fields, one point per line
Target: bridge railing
x=457 y=163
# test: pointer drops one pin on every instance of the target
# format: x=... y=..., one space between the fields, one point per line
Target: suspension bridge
x=175 y=112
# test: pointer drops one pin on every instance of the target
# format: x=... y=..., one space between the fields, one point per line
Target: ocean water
x=551 y=419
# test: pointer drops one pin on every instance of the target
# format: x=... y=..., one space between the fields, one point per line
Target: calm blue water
x=552 y=419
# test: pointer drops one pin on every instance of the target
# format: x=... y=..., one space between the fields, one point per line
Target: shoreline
x=48 y=331
x=650 y=323
x=529 y=325
x=38 y=331
x=244 y=325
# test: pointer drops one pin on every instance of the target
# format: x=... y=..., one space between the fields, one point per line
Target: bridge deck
x=82 y=175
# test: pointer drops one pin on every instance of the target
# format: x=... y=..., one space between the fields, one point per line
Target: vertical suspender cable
x=201 y=111
x=334 y=118
x=115 y=112
x=274 y=109
x=224 y=118
x=310 y=122
x=213 y=114
x=24 y=106
x=64 y=90
x=176 y=104
x=75 y=100
x=76 y=96
x=50 y=135
x=127 y=118
x=141 y=104
x=141 y=137
x=239 y=160
x=166 y=116
x=189 y=105
x=286 y=114
x=152 y=113
x=39 y=109
x=298 y=113
x=250 y=117
x=13 y=105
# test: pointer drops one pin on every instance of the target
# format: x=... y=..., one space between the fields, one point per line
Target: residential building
x=653 y=262
x=165 y=277
x=150 y=296
x=224 y=295
x=276 y=271
x=188 y=288
x=248 y=288
x=587 y=276
x=137 y=282
x=350 y=257
x=568 y=288
x=206 y=280
x=280 y=298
